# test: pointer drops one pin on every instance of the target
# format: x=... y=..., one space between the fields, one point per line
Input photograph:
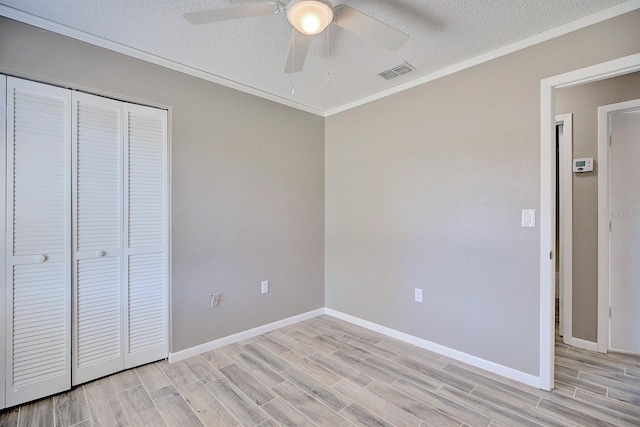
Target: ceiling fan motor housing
x=310 y=17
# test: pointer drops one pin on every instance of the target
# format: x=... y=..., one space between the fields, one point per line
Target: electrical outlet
x=264 y=287
x=215 y=300
x=418 y=295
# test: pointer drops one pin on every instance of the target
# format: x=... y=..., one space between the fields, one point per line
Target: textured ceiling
x=340 y=67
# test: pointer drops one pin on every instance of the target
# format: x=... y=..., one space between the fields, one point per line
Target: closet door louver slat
x=97 y=247
x=38 y=241
x=146 y=231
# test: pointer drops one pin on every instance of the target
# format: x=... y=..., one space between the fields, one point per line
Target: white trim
x=580 y=343
x=586 y=21
x=603 y=231
x=625 y=65
x=504 y=371
x=594 y=73
x=547 y=236
x=230 y=339
x=169 y=230
x=624 y=352
x=148 y=57
x=578 y=24
x=566 y=225
x=3 y=208
x=495 y=368
x=604 y=132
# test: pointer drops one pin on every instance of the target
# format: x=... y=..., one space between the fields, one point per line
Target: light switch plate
x=528 y=217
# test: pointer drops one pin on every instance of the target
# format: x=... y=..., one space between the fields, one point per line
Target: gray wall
x=421 y=189
x=583 y=102
x=247 y=184
x=424 y=190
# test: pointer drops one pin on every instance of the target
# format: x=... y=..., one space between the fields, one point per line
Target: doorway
x=564 y=220
x=548 y=87
x=619 y=228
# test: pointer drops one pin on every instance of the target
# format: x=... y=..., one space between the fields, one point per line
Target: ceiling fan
x=308 y=17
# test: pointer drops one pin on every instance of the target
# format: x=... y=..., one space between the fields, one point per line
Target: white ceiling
x=341 y=68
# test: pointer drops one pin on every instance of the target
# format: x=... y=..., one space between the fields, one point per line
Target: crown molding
x=55 y=27
x=586 y=21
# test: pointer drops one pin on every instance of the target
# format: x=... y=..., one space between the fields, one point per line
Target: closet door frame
x=3 y=210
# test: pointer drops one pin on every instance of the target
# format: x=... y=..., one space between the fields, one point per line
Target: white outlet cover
x=264 y=286
x=215 y=299
x=418 y=295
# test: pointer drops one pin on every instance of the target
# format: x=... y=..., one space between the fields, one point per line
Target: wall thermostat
x=583 y=165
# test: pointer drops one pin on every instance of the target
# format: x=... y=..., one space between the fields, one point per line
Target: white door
x=86 y=211
x=38 y=241
x=146 y=232
x=121 y=239
x=97 y=239
x=624 y=243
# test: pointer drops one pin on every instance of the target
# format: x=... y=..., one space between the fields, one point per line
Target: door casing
x=548 y=86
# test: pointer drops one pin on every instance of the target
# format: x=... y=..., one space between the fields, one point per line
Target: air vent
x=397 y=71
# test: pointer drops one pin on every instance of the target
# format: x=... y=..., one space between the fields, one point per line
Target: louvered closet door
x=146 y=250
x=38 y=241
x=97 y=239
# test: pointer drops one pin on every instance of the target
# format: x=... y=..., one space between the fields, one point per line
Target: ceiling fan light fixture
x=310 y=17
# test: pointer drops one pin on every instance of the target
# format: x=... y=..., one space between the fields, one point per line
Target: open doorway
x=564 y=221
x=548 y=87
x=579 y=192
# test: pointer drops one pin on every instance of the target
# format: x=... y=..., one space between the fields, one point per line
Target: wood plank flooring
x=327 y=372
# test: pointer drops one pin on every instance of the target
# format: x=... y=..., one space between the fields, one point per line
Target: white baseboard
x=504 y=371
x=584 y=344
x=230 y=339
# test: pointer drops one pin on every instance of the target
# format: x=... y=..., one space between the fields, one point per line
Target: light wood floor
x=327 y=372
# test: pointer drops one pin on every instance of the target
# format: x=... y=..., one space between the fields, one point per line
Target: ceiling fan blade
x=235 y=12
x=369 y=28
x=297 y=52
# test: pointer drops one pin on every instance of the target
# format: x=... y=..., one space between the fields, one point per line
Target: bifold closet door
x=97 y=142
x=146 y=231
x=38 y=241
x=120 y=236
x=85 y=221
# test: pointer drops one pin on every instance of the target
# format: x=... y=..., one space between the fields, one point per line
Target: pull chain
x=293 y=62
x=328 y=78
